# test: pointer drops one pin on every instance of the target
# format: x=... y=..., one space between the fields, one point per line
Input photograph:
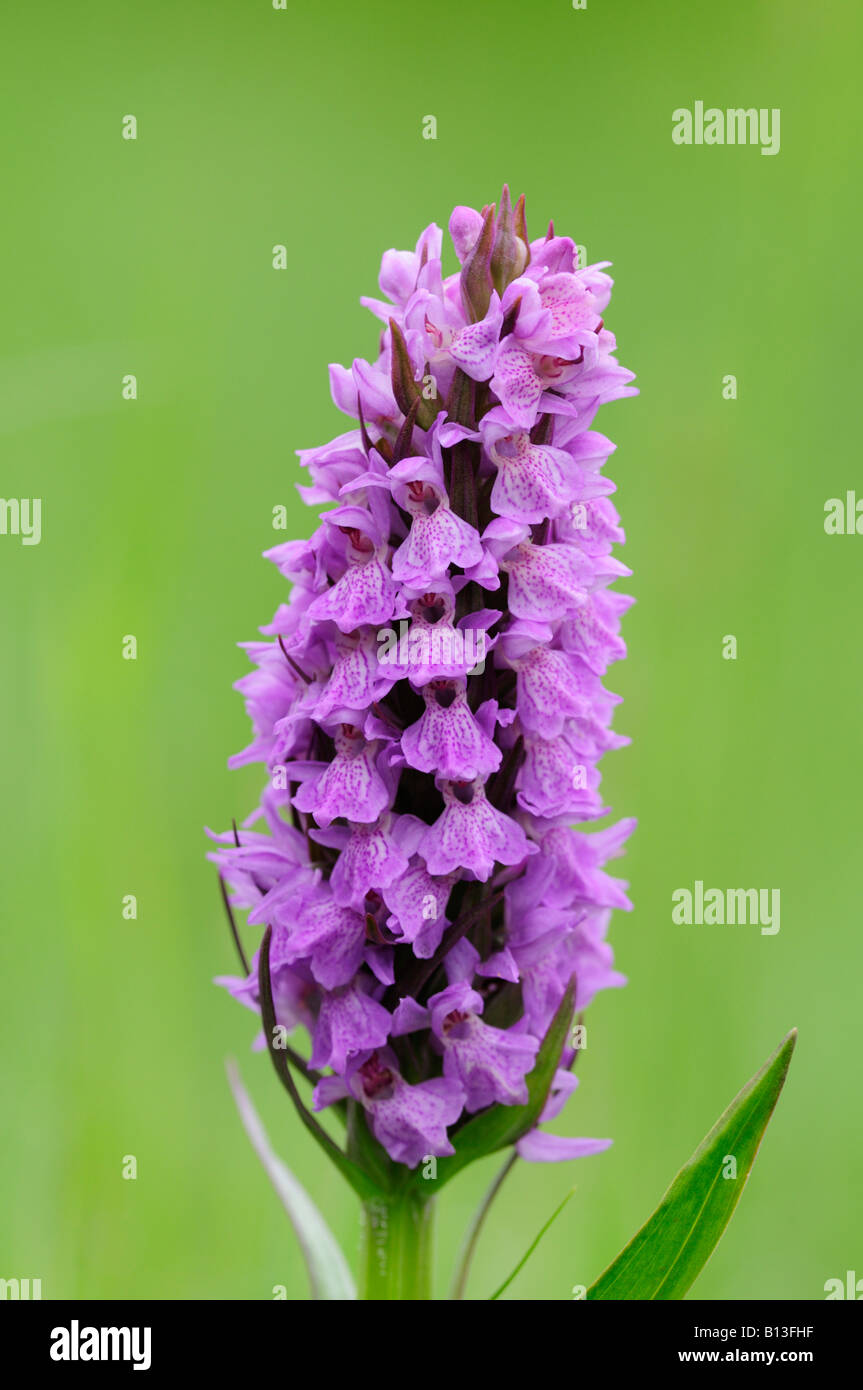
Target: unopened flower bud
x=509 y=253
x=476 y=281
x=408 y=393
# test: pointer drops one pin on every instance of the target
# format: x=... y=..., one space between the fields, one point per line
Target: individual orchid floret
x=491 y=1063
x=449 y=739
x=438 y=537
x=472 y=834
x=534 y=481
x=348 y=786
x=410 y=1121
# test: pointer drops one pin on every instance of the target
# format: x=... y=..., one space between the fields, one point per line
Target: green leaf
x=361 y=1182
x=666 y=1256
x=530 y=1249
x=364 y=1150
x=500 y=1125
x=327 y=1267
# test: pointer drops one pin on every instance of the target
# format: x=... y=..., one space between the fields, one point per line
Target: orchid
x=431 y=905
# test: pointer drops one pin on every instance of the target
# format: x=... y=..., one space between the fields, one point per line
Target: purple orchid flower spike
x=429 y=904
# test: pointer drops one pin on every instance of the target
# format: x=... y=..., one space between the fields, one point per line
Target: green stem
x=397 y=1246
x=459 y=1283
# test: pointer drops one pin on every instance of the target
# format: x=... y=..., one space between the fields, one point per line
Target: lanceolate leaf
x=673 y=1246
x=328 y=1271
x=501 y=1125
x=362 y=1184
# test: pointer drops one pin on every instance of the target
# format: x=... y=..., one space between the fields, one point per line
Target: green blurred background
x=154 y=257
